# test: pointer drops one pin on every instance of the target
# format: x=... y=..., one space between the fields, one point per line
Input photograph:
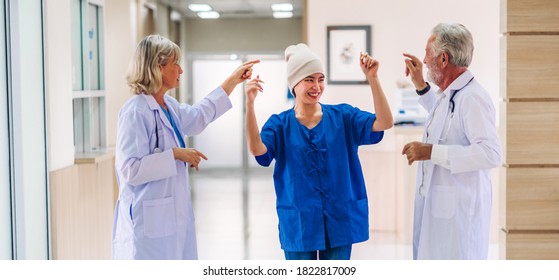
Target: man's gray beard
x=430 y=78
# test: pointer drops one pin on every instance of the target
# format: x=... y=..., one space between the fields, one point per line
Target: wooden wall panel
x=532 y=133
x=530 y=246
x=529 y=16
x=503 y=197
x=532 y=66
x=82 y=205
x=503 y=66
x=503 y=128
x=96 y=197
x=529 y=128
x=62 y=210
x=532 y=199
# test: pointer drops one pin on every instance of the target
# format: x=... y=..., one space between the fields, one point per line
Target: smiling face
x=309 y=90
x=170 y=74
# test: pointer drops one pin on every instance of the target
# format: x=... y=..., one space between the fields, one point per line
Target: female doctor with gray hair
x=153 y=216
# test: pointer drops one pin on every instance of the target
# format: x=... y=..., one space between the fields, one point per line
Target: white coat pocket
x=159 y=217
x=443 y=201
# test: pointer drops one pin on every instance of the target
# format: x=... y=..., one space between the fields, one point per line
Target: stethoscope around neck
x=452 y=106
x=442 y=138
x=157 y=149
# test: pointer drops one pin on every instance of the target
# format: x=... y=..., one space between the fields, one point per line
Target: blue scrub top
x=318 y=179
x=175 y=128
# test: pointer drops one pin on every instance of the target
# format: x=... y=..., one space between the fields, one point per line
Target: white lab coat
x=453 y=192
x=153 y=216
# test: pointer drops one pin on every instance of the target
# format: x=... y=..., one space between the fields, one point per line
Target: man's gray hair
x=456 y=40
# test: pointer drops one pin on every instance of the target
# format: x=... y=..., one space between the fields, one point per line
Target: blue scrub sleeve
x=269 y=138
x=372 y=137
x=265 y=159
x=362 y=123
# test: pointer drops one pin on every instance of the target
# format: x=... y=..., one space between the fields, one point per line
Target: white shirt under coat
x=453 y=193
x=153 y=216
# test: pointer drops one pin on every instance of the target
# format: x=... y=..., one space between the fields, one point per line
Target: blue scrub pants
x=338 y=253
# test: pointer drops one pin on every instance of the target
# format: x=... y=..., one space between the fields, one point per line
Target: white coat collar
x=154 y=106
x=444 y=101
x=460 y=82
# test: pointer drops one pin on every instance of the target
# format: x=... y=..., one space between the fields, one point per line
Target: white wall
x=120 y=43
x=400 y=26
x=58 y=76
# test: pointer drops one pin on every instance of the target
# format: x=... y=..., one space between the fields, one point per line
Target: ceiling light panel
x=282 y=7
x=212 y=14
x=283 y=14
x=199 y=7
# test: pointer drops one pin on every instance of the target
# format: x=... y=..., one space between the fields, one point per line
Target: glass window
x=77 y=81
x=5 y=193
x=93 y=46
x=27 y=129
x=88 y=75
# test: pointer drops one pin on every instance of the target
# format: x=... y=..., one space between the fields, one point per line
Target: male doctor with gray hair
x=460 y=146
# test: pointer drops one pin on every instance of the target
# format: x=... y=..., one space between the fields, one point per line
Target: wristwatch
x=423 y=91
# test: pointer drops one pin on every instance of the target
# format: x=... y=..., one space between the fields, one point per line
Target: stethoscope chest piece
x=157 y=150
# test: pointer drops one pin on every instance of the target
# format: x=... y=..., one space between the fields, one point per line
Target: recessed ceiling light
x=282 y=7
x=199 y=7
x=175 y=16
x=283 y=14
x=212 y=14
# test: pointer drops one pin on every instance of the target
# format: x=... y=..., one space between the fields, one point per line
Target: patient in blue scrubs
x=321 y=197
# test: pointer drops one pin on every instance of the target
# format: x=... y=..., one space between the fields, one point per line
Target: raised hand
x=252 y=88
x=241 y=74
x=414 y=69
x=244 y=72
x=369 y=65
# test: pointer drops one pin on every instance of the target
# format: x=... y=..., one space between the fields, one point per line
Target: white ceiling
x=234 y=8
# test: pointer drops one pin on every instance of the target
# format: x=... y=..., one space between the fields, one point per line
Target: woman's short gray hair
x=456 y=40
x=144 y=75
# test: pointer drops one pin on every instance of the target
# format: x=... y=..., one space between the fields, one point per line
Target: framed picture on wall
x=344 y=43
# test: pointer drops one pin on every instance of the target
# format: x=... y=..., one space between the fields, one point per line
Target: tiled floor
x=236 y=219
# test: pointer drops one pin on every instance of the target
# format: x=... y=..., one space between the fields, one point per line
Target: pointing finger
x=252 y=62
x=202 y=155
x=410 y=56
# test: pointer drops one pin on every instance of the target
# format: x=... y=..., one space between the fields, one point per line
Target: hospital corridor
x=83 y=144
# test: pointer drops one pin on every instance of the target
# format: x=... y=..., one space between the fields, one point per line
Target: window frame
x=89 y=100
